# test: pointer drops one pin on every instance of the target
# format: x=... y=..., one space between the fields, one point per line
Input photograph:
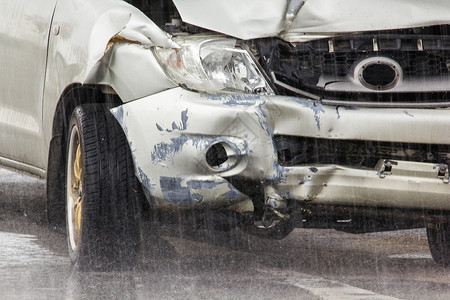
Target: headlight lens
x=212 y=65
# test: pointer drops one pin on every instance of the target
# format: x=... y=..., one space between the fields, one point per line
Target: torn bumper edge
x=171 y=132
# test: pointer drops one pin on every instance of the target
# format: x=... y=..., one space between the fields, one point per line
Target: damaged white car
x=273 y=114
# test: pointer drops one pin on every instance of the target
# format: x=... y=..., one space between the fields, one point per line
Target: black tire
x=104 y=234
x=439 y=242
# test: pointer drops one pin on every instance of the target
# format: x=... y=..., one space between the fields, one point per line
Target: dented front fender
x=170 y=141
x=109 y=46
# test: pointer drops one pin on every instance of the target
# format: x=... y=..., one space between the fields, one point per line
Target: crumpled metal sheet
x=169 y=141
x=315 y=19
x=322 y=18
x=132 y=26
x=109 y=56
x=242 y=19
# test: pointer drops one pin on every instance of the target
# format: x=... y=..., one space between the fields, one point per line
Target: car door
x=24 y=33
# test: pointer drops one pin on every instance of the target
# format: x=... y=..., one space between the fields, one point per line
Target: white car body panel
x=169 y=128
x=315 y=18
x=168 y=155
x=23 y=63
x=113 y=51
x=79 y=52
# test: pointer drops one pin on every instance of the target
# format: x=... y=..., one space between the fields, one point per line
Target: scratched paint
x=234 y=99
x=182 y=125
x=314 y=106
x=176 y=157
x=278 y=174
x=162 y=150
x=174 y=193
x=177 y=191
x=408 y=114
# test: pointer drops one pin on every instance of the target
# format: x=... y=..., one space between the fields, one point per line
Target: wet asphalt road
x=308 y=264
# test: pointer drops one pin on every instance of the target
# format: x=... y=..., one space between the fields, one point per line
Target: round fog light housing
x=221 y=156
x=379 y=73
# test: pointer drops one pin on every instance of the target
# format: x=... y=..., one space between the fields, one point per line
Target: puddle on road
x=29 y=270
x=22 y=249
x=7 y=176
x=411 y=256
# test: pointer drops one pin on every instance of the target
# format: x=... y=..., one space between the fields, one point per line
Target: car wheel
x=102 y=211
x=439 y=241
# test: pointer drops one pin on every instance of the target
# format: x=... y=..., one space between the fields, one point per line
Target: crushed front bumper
x=185 y=145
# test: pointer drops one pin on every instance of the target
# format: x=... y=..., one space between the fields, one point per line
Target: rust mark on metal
x=118 y=39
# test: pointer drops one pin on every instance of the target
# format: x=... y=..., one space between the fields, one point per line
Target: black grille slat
x=294 y=150
x=414 y=64
x=421 y=56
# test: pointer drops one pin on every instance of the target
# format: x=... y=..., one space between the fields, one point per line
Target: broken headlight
x=212 y=64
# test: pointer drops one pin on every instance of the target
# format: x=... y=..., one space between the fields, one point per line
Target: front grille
x=294 y=150
x=414 y=64
x=302 y=68
x=302 y=65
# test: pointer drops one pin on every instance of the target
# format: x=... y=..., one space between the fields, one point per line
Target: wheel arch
x=73 y=95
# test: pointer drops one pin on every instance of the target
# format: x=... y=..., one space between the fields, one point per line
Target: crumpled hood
x=301 y=20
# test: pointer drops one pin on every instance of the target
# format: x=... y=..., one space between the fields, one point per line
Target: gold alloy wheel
x=77 y=187
x=74 y=188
